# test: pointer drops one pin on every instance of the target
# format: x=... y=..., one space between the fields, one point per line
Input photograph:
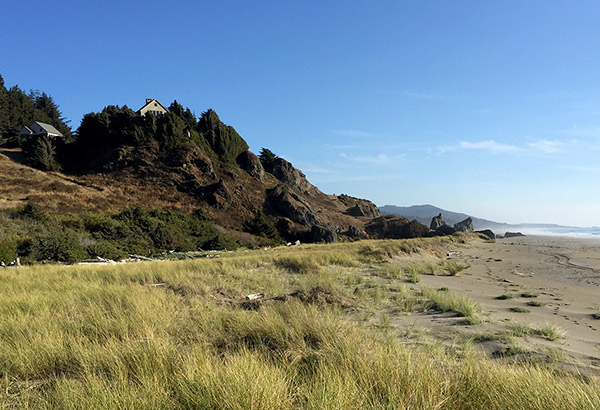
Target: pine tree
x=3 y=110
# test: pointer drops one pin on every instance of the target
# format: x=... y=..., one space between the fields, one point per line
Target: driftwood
x=255 y=296
x=140 y=257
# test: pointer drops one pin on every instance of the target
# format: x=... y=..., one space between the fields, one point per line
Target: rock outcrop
x=319 y=233
x=513 y=234
x=292 y=177
x=440 y=227
x=359 y=207
x=464 y=226
x=487 y=233
x=395 y=227
x=284 y=202
x=437 y=222
x=251 y=164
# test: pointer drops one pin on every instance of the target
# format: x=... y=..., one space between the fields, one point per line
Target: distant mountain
x=424 y=213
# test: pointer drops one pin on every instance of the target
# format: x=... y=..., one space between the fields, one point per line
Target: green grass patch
x=529 y=295
x=535 y=303
x=519 y=309
x=504 y=297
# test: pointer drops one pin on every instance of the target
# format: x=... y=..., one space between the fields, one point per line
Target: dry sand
x=563 y=272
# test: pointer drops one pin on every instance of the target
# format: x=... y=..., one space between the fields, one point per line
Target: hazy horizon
x=489 y=109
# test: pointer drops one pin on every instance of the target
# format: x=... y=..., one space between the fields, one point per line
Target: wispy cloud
x=588 y=132
x=488 y=145
x=378 y=159
x=538 y=147
x=316 y=170
x=425 y=96
x=546 y=146
x=354 y=133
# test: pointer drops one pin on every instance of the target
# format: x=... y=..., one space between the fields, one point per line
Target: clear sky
x=491 y=108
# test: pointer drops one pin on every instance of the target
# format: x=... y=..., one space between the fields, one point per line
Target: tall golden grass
x=170 y=335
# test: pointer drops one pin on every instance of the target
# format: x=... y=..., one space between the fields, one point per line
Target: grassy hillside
x=166 y=335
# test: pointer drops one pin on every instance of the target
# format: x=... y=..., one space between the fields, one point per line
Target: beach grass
x=504 y=296
x=447 y=301
x=550 y=331
x=171 y=335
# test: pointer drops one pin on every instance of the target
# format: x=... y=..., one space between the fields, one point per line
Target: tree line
x=108 y=129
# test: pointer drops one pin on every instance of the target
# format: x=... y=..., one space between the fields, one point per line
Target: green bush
x=33 y=212
x=62 y=247
x=40 y=152
x=262 y=226
x=106 y=250
x=8 y=251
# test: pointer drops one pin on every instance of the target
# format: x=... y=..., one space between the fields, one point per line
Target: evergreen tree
x=260 y=225
x=41 y=152
x=267 y=157
x=3 y=110
x=46 y=110
x=223 y=139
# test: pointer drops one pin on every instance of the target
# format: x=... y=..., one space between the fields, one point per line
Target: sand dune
x=562 y=274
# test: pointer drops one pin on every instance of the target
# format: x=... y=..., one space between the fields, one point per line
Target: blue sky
x=487 y=108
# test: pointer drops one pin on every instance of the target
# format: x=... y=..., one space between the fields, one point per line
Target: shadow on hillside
x=15 y=155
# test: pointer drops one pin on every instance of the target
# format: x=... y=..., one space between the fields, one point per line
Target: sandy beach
x=545 y=279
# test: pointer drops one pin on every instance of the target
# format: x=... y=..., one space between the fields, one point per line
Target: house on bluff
x=152 y=106
x=39 y=129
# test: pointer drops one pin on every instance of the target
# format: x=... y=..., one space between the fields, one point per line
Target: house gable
x=40 y=128
x=153 y=106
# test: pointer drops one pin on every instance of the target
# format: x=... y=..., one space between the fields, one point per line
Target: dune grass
x=171 y=335
x=448 y=301
x=550 y=331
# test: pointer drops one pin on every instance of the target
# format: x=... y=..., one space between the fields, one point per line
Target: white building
x=39 y=129
x=152 y=106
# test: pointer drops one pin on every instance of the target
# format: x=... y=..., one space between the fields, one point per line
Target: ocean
x=567 y=231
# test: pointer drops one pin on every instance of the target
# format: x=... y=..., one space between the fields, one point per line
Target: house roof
x=150 y=102
x=26 y=129
x=48 y=128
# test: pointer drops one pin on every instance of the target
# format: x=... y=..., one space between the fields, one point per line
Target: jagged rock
x=464 y=226
x=251 y=164
x=217 y=195
x=286 y=228
x=445 y=229
x=359 y=207
x=513 y=234
x=437 y=222
x=288 y=204
x=286 y=173
x=488 y=233
x=394 y=227
x=320 y=233
x=354 y=232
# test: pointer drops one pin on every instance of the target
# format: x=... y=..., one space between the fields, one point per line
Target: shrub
x=518 y=309
x=504 y=297
x=261 y=225
x=62 y=247
x=106 y=250
x=8 y=251
x=33 y=212
x=40 y=152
